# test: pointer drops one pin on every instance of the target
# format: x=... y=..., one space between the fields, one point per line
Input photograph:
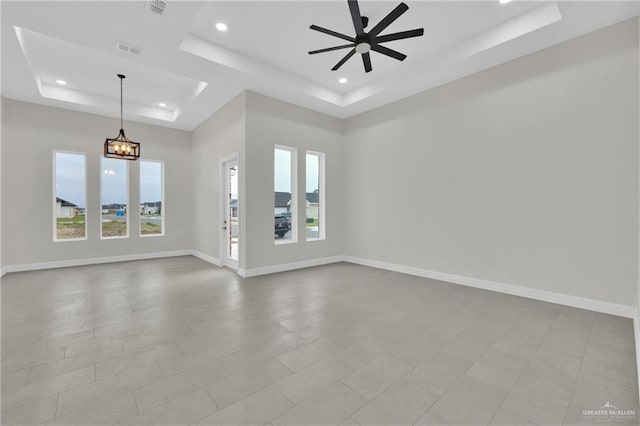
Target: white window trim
x=294 y=193
x=321 y=197
x=128 y=202
x=55 y=194
x=162 y=217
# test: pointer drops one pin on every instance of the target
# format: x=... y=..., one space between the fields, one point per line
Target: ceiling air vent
x=128 y=48
x=156 y=6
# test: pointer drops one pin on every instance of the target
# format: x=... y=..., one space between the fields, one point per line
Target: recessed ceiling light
x=162 y=104
x=343 y=80
x=221 y=26
x=504 y=1
x=61 y=82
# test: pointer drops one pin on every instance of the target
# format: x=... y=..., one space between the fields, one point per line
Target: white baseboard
x=547 y=296
x=92 y=261
x=543 y=295
x=272 y=269
x=210 y=259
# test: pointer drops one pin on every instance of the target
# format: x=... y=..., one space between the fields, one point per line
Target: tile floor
x=179 y=342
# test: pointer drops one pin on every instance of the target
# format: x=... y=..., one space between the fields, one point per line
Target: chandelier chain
x=121 y=104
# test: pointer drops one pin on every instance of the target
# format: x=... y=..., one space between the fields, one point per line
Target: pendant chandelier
x=121 y=147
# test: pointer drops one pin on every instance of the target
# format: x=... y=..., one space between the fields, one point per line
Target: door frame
x=224 y=259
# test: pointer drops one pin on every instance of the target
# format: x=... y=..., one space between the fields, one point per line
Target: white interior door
x=231 y=218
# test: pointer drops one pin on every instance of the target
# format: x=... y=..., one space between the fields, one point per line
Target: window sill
x=309 y=240
x=67 y=240
x=284 y=242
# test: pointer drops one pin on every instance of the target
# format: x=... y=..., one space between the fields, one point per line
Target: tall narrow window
x=115 y=198
x=151 y=198
x=314 y=194
x=284 y=174
x=69 y=202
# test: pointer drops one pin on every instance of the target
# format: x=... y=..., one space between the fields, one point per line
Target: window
x=115 y=198
x=70 y=194
x=314 y=196
x=284 y=178
x=151 y=198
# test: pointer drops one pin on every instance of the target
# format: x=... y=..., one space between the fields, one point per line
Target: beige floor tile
x=14 y=379
x=127 y=366
x=330 y=406
x=179 y=362
x=37 y=412
x=106 y=411
x=516 y=344
x=507 y=418
x=609 y=363
x=373 y=378
x=77 y=398
x=173 y=387
x=92 y=346
x=468 y=402
x=186 y=336
x=554 y=366
x=258 y=408
x=593 y=390
x=539 y=400
x=253 y=358
x=439 y=373
x=565 y=342
x=181 y=411
x=236 y=387
x=309 y=354
x=56 y=368
x=401 y=404
x=498 y=369
x=468 y=346
x=429 y=419
x=30 y=355
x=312 y=379
x=36 y=391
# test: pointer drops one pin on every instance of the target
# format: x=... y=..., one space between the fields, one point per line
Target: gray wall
x=30 y=134
x=271 y=122
x=219 y=136
x=525 y=174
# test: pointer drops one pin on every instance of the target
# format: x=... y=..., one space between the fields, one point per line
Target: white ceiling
x=195 y=69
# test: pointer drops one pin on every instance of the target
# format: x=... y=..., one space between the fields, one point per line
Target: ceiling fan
x=363 y=42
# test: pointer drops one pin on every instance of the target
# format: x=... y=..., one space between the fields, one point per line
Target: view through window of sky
x=283 y=172
x=70 y=182
x=70 y=178
x=150 y=182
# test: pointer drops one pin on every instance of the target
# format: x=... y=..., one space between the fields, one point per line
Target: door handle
x=224 y=227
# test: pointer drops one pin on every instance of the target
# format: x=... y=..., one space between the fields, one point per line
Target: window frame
x=294 y=192
x=128 y=222
x=322 y=232
x=55 y=195
x=162 y=234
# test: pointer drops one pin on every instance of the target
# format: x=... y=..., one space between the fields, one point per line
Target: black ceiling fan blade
x=366 y=60
x=399 y=36
x=389 y=52
x=343 y=60
x=329 y=49
x=388 y=20
x=333 y=33
x=356 y=17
